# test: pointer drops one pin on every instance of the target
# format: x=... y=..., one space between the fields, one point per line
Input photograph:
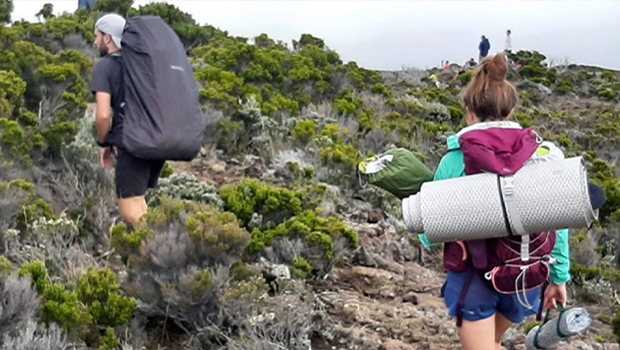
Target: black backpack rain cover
x=163 y=116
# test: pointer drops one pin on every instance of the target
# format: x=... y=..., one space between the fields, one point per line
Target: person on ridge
x=435 y=79
x=483 y=313
x=471 y=64
x=483 y=48
x=133 y=176
x=88 y=4
x=508 y=44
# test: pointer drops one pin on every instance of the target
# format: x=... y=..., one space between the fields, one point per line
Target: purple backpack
x=500 y=262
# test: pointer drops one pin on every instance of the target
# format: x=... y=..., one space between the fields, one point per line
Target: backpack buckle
x=548 y=259
x=509 y=188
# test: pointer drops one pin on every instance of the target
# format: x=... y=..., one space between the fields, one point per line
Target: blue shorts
x=482 y=302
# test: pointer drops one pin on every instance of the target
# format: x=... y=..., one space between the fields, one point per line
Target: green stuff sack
x=397 y=171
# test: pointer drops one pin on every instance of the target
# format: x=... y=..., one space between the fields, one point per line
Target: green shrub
x=304 y=130
x=99 y=292
x=270 y=212
x=456 y=114
x=524 y=119
x=609 y=76
x=604 y=175
x=607 y=94
x=301 y=268
x=94 y=304
x=5 y=268
x=465 y=78
x=166 y=171
x=564 y=87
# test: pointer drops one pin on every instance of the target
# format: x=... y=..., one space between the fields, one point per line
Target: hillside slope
x=267 y=240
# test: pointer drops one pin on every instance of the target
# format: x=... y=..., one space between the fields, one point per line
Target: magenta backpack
x=510 y=265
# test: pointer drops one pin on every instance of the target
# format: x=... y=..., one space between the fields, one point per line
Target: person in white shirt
x=508 y=45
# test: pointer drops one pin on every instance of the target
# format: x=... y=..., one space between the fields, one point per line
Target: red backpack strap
x=478 y=253
x=459 y=306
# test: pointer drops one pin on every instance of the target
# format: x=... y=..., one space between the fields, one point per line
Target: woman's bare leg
x=501 y=326
x=478 y=335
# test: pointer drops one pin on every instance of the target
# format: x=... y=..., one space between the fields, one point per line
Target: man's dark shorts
x=135 y=175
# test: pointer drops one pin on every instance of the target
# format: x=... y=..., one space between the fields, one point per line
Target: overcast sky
x=392 y=34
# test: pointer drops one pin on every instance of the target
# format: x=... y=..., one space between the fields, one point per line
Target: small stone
x=360 y=216
x=363 y=258
x=410 y=297
x=375 y=216
x=218 y=167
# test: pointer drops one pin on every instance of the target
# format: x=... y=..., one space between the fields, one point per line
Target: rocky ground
x=387 y=296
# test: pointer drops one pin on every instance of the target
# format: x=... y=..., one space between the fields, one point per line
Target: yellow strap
x=362 y=165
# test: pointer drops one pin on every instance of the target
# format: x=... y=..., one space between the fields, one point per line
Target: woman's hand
x=553 y=295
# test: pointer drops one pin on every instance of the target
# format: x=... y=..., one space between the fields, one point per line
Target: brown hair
x=489 y=96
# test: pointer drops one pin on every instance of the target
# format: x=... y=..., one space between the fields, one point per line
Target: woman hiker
x=471 y=293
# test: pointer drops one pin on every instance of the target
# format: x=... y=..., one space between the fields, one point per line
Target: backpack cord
x=522 y=292
x=362 y=183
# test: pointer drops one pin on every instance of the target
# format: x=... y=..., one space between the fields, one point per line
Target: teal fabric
x=452 y=166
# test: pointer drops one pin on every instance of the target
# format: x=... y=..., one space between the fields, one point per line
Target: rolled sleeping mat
x=548 y=335
x=541 y=196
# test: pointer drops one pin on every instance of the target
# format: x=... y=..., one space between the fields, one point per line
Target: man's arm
x=103 y=94
x=104 y=115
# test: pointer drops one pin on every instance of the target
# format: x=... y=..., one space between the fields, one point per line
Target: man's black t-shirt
x=108 y=77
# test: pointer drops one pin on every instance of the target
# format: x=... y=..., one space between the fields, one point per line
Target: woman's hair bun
x=489 y=95
x=496 y=68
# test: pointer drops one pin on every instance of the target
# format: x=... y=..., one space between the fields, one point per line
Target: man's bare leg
x=132 y=209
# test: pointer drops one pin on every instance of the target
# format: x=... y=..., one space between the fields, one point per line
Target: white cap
x=112 y=24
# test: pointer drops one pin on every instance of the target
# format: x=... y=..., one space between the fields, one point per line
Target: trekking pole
x=550 y=333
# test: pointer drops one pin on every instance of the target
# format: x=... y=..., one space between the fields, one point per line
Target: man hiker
x=508 y=44
x=484 y=48
x=134 y=176
x=88 y=4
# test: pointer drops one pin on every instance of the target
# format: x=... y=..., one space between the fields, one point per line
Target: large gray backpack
x=163 y=118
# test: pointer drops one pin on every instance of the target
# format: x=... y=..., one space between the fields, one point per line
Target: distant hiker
x=508 y=44
x=518 y=65
x=436 y=81
x=484 y=48
x=471 y=64
x=483 y=312
x=88 y=4
x=133 y=175
x=446 y=65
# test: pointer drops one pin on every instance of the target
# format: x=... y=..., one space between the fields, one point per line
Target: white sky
x=388 y=35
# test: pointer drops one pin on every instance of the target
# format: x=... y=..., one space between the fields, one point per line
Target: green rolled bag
x=397 y=171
